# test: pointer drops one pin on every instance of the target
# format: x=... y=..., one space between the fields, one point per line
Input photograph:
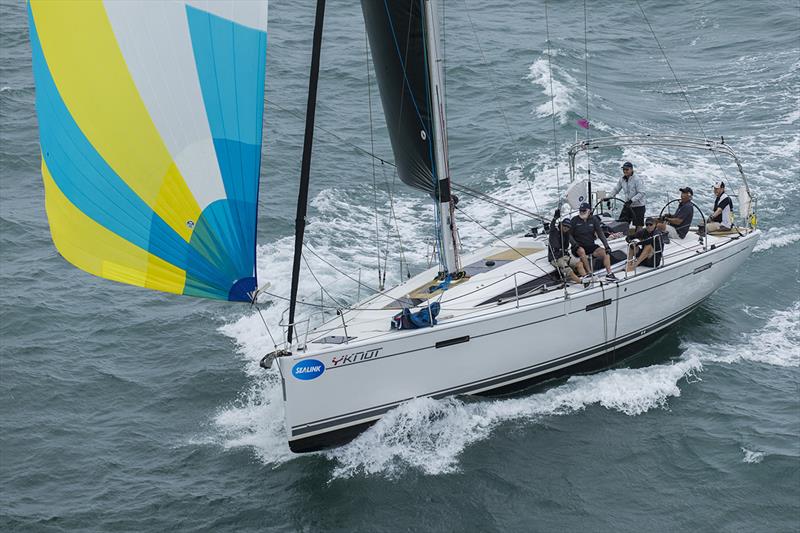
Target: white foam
x=255 y=421
x=791 y=118
x=561 y=98
x=777 y=238
x=752 y=457
x=429 y=435
x=776 y=343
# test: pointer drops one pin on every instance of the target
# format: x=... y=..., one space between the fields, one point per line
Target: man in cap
x=633 y=192
x=678 y=223
x=721 y=219
x=585 y=228
x=646 y=246
x=559 y=240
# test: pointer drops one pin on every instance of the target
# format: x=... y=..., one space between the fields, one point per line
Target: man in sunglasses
x=585 y=228
x=646 y=247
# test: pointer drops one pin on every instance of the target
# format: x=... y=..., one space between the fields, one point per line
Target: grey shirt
x=632 y=189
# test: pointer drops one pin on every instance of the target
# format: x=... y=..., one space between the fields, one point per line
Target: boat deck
x=498 y=277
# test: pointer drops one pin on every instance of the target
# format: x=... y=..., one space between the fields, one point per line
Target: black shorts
x=651 y=261
x=633 y=214
x=588 y=248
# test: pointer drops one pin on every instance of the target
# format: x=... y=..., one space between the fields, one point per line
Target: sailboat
x=151 y=178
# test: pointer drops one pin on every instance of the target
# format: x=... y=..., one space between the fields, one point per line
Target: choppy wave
x=778 y=238
x=752 y=456
x=561 y=99
x=776 y=343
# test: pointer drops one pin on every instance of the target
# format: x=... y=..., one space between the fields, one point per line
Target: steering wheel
x=694 y=205
x=608 y=202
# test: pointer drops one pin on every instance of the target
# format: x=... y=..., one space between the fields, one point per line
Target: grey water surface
x=123 y=409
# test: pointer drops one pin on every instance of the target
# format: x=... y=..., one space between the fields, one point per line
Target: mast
x=305 y=168
x=447 y=224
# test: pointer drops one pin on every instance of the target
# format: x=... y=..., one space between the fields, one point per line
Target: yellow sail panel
x=158 y=150
x=92 y=78
x=91 y=247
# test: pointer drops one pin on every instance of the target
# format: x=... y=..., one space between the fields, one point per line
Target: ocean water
x=130 y=410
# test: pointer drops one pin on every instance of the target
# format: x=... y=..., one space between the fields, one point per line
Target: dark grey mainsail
x=396 y=31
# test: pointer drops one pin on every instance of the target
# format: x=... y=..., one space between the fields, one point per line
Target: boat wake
x=563 y=99
x=429 y=436
x=776 y=343
x=777 y=238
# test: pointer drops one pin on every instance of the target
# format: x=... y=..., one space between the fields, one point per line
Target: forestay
x=150 y=116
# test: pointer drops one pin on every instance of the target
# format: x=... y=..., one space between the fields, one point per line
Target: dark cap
x=687 y=189
x=566 y=222
x=649 y=220
x=627 y=164
x=584 y=206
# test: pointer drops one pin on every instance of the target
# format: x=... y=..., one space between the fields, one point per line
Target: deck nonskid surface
x=472 y=297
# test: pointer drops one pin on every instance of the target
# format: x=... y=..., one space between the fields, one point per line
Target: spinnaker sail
x=396 y=32
x=150 y=118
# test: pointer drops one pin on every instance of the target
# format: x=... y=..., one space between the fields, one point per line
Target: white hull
x=493 y=346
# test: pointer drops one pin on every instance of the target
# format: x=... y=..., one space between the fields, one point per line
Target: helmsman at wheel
x=633 y=192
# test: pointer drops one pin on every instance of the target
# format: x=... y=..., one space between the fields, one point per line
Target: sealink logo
x=308 y=369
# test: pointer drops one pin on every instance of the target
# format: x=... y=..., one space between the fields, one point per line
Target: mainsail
x=150 y=118
x=396 y=31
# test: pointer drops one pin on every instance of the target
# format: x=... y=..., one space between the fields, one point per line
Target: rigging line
x=332 y=134
x=317 y=280
x=461 y=188
x=382 y=281
x=501 y=203
x=533 y=198
x=586 y=72
x=396 y=224
x=300 y=302
x=275 y=344
x=511 y=137
x=552 y=99
x=340 y=271
x=487 y=230
x=680 y=85
x=372 y=150
x=444 y=51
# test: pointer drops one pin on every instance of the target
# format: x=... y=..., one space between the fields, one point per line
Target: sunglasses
x=649 y=224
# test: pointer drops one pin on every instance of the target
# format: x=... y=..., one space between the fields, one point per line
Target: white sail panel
x=150 y=118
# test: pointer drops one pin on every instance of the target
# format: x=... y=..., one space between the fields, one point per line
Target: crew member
x=585 y=227
x=646 y=247
x=679 y=223
x=633 y=192
x=721 y=218
x=559 y=240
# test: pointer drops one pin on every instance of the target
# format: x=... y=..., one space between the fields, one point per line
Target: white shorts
x=673 y=232
x=565 y=264
x=716 y=226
